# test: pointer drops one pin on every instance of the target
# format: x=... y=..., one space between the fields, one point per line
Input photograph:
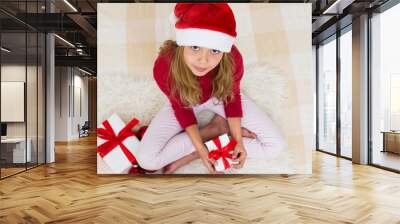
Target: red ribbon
x=113 y=140
x=222 y=152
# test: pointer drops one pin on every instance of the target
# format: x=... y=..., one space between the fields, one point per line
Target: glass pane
x=346 y=94
x=327 y=96
x=31 y=100
x=13 y=87
x=386 y=89
x=41 y=98
x=31 y=85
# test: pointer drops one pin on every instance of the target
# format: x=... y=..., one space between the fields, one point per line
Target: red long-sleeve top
x=184 y=114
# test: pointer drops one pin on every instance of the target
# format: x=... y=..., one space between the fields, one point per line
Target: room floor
x=387 y=159
x=70 y=191
x=11 y=169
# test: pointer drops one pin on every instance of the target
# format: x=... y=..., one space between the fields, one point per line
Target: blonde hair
x=184 y=83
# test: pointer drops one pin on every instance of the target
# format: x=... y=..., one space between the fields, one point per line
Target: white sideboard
x=18 y=144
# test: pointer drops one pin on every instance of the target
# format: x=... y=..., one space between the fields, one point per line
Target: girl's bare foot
x=247 y=133
x=222 y=126
x=217 y=126
x=170 y=168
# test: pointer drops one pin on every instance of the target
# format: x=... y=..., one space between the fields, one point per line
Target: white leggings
x=165 y=141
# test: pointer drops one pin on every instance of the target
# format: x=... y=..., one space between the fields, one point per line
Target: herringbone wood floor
x=69 y=191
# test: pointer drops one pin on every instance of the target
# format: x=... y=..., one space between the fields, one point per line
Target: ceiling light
x=338 y=6
x=64 y=40
x=5 y=50
x=70 y=5
x=84 y=71
x=331 y=7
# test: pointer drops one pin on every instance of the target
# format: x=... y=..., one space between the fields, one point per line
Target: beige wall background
x=278 y=36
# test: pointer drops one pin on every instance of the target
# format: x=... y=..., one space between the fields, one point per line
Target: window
x=327 y=96
x=385 y=89
x=22 y=77
x=346 y=93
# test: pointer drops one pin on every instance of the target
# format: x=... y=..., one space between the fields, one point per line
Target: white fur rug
x=264 y=85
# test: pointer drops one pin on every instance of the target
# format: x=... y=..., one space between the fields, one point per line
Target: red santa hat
x=210 y=25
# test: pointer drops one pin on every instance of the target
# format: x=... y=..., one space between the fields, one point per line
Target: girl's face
x=201 y=60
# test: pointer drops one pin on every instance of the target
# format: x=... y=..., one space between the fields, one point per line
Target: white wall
x=70 y=83
x=12 y=73
x=34 y=125
x=80 y=103
x=62 y=81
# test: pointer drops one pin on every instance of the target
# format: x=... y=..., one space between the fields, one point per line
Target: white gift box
x=219 y=164
x=116 y=159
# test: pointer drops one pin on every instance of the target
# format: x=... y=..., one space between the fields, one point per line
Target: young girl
x=202 y=71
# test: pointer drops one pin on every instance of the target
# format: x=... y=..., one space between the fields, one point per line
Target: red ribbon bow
x=222 y=152
x=113 y=140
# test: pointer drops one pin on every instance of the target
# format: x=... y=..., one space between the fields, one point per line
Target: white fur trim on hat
x=204 y=38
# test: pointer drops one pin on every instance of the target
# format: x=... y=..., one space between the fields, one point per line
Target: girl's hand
x=239 y=155
x=209 y=163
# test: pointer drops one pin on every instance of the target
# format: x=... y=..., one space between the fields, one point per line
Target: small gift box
x=221 y=150
x=116 y=143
